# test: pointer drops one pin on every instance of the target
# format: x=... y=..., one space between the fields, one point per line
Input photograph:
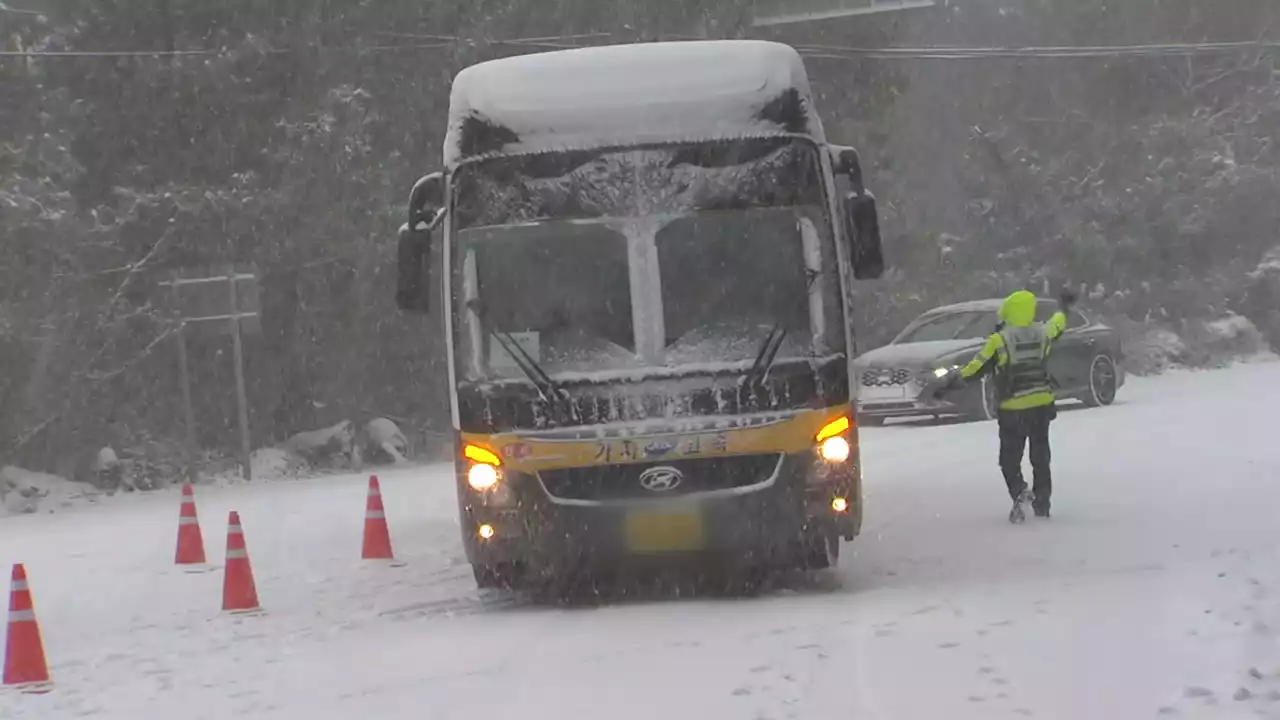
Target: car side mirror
x=861 y=218
x=413 y=250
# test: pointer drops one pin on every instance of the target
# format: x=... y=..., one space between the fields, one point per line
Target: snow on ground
x=24 y=492
x=1152 y=592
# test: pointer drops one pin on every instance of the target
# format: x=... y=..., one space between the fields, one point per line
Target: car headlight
x=945 y=371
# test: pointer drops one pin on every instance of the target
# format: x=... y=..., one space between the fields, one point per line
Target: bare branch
x=135 y=268
x=21 y=441
x=146 y=352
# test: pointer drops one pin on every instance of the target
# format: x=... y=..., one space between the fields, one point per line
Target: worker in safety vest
x=1017 y=356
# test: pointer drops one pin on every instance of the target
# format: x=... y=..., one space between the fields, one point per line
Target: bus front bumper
x=530 y=527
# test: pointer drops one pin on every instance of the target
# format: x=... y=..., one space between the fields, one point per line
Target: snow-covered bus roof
x=618 y=95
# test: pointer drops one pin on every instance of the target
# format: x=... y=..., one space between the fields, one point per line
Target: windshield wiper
x=546 y=387
x=768 y=352
x=765 y=357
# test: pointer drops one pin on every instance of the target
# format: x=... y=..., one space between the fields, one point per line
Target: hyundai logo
x=662 y=478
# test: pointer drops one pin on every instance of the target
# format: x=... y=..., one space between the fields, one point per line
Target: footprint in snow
x=1198 y=692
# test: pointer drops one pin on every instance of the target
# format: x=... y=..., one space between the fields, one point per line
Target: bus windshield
x=563 y=290
x=669 y=255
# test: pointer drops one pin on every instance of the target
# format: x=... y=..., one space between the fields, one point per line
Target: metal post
x=242 y=400
x=188 y=411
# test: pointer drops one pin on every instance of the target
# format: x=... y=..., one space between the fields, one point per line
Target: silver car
x=905 y=377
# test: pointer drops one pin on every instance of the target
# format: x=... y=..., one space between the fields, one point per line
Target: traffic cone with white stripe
x=24 y=663
x=239 y=593
x=377 y=537
x=190 y=550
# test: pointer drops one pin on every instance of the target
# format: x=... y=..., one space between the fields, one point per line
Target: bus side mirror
x=862 y=227
x=413 y=251
x=861 y=218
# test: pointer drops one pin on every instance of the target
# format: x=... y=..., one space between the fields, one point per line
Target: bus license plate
x=656 y=531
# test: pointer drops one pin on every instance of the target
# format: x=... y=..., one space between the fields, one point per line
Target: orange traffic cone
x=190 y=549
x=377 y=538
x=239 y=593
x=24 y=663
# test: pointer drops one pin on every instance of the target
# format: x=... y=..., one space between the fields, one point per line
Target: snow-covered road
x=1154 y=591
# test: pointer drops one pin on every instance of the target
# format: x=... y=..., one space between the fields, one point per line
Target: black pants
x=1017 y=427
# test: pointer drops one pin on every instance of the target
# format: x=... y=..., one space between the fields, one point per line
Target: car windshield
x=563 y=290
x=969 y=325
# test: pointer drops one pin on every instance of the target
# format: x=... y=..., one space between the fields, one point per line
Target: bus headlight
x=482 y=477
x=483 y=473
x=833 y=446
x=834 y=449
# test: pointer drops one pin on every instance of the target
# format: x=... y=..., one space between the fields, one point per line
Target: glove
x=1066 y=298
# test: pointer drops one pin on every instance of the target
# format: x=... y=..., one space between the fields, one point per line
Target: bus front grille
x=660 y=479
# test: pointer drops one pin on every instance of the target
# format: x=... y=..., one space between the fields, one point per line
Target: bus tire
x=504 y=576
x=820 y=550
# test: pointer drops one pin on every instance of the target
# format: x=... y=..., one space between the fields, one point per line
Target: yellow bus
x=647 y=257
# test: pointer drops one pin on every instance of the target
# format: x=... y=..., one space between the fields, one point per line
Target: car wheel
x=870 y=421
x=1102 y=382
